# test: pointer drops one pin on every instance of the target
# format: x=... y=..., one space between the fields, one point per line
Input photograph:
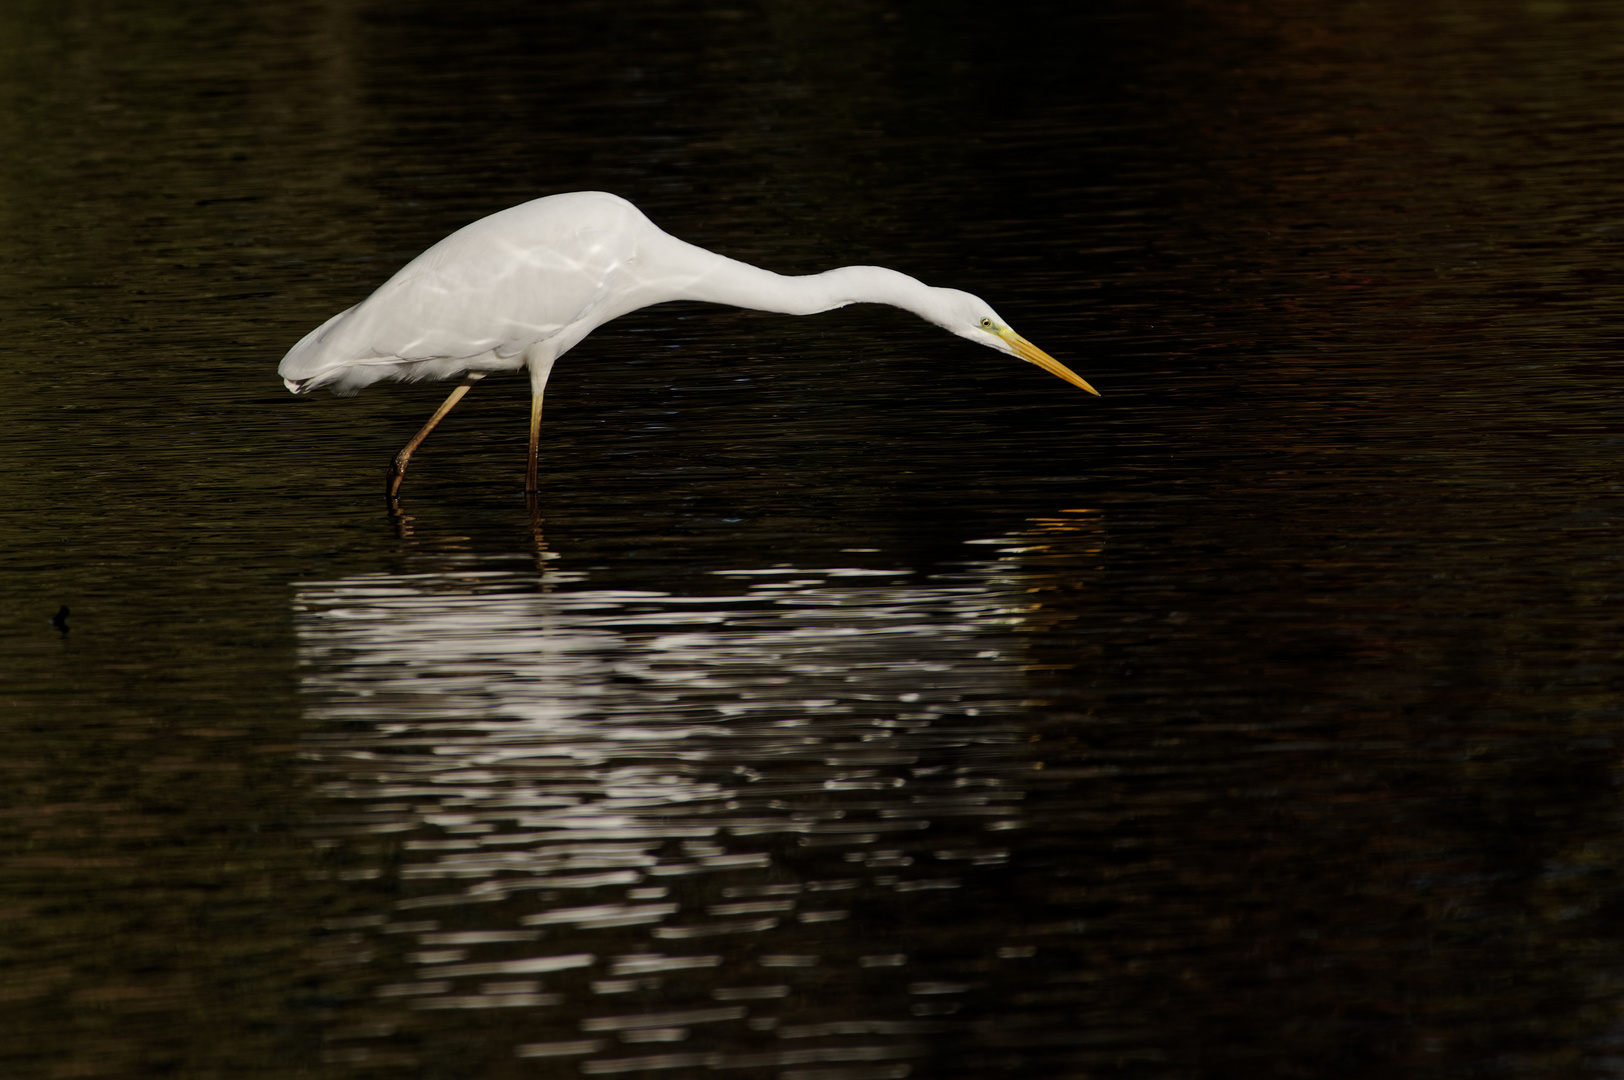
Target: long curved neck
x=718 y=279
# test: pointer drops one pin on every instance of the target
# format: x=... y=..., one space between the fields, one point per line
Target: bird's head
x=971 y=317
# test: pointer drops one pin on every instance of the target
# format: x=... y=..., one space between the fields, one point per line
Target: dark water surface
x=859 y=704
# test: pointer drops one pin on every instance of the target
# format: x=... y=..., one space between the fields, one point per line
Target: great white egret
x=520 y=288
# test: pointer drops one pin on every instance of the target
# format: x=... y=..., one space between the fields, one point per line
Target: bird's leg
x=397 y=468
x=541 y=366
x=533 y=468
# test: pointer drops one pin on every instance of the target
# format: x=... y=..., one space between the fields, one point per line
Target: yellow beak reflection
x=1030 y=352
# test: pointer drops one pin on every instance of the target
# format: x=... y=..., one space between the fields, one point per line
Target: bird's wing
x=546 y=271
x=487 y=303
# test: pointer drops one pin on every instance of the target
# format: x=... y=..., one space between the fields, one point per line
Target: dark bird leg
x=541 y=366
x=532 y=469
x=397 y=468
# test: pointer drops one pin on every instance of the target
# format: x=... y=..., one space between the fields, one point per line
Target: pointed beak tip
x=1034 y=355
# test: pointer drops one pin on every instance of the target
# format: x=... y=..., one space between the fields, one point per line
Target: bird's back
x=543 y=273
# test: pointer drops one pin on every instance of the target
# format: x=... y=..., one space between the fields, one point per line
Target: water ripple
x=706 y=808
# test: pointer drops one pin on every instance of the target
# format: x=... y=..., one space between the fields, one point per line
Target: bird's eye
x=986 y=324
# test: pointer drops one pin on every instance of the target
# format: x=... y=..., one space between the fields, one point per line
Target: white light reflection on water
x=731 y=821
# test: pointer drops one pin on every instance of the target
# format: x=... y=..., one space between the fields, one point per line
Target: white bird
x=520 y=288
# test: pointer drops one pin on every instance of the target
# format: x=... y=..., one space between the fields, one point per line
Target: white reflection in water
x=653 y=819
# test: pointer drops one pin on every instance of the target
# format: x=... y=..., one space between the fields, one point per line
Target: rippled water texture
x=854 y=703
x=721 y=815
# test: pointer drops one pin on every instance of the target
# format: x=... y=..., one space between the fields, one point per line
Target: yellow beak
x=1032 y=354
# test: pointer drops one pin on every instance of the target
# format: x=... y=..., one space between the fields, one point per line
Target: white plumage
x=520 y=288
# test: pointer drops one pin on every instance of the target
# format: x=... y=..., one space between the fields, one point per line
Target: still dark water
x=857 y=704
